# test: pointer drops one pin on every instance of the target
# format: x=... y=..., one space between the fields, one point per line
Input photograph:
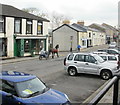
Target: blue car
x=26 y=89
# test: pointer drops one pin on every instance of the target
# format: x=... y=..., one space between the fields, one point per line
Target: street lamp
x=71 y=39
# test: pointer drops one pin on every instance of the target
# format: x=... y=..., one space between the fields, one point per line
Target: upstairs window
x=39 y=27
x=17 y=25
x=89 y=34
x=2 y=22
x=29 y=27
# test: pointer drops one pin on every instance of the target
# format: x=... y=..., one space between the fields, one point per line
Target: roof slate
x=7 y=10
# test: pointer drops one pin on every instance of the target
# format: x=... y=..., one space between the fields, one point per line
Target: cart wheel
x=40 y=57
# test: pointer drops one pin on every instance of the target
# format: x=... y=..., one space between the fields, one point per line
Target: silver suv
x=90 y=64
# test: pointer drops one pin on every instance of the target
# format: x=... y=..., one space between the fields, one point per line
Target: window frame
x=20 y=26
x=89 y=59
x=41 y=26
x=79 y=58
x=3 y=18
x=31 y=25
x=70 y=57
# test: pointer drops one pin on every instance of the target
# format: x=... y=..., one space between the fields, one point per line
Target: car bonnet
x=50 y=96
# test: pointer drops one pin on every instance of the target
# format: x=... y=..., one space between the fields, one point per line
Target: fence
x=115 y=82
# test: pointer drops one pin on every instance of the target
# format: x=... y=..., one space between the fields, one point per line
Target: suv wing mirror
x=96 y=62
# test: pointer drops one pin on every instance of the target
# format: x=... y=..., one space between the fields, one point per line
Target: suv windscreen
x=98 y=58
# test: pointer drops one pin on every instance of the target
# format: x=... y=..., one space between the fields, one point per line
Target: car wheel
x=72 y=71
x=105 y=74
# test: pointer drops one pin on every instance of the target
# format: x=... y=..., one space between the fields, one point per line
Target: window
x=70 y=57
x=83 y=43
x=2 y=24
x=89 y=34
x=39 y=27
x=29 y=27
x=90 y=59
x=17 y=25
x=104 y=57
x=112 y=52
x=79 y=58
x=112 y=58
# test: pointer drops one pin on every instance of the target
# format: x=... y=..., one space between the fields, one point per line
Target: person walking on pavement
x=78 y=47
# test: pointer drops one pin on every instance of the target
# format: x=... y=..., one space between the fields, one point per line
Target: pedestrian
x=78 y=47
x=57 y=46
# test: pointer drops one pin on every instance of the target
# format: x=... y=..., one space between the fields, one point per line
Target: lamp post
x=71 y=40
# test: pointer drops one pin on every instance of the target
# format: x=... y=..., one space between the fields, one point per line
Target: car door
x=79 y=62
x=90 y=67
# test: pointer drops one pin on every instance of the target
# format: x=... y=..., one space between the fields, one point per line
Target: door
x=90 y=65
x=79 y=62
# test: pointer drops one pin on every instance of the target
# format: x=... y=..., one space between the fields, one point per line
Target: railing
x=115 y=82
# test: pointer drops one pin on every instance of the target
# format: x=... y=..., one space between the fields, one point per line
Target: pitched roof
x=84 y=28
x=108 y=26
x=7 y=10
x=72 y=27
x=98 y=27
x=80 y=27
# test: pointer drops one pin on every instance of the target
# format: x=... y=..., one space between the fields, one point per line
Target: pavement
x=108 y=98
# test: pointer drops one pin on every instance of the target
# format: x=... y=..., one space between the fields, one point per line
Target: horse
x=53 y=51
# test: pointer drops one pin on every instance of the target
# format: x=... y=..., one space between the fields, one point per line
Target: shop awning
x=31 y=37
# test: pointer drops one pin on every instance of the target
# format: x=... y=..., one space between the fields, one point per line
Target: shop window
x=39 y=27
x=29 y=27
x=2 y=22
x=17 y=25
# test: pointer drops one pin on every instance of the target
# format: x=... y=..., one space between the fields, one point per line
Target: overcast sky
x=91 y=11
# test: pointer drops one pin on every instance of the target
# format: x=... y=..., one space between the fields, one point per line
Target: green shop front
x=29 y=45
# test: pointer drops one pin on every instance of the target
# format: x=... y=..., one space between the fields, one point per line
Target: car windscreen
x=26 y=88
x=98 y=58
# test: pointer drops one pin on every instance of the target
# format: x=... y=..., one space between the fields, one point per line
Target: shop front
x=29 y=46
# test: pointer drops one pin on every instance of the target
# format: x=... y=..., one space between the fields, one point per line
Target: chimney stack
x=80 y=22
x=66 y=22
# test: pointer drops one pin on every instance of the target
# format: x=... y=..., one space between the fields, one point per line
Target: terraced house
x=21 y=33
x=69 y=36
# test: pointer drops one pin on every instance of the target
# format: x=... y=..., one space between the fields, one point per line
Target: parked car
x=110 y=58
x=21 y=88
x=90 y=64
x=112 y=45
x=110 y=51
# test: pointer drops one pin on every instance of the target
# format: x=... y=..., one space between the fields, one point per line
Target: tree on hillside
x=35 y=11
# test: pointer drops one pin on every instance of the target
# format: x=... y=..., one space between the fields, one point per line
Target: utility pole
x=118 y=33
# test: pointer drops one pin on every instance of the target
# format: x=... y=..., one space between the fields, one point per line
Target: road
x=51 y=71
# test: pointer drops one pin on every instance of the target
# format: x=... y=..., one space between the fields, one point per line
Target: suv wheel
x=105 y=74
x=72 y=71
